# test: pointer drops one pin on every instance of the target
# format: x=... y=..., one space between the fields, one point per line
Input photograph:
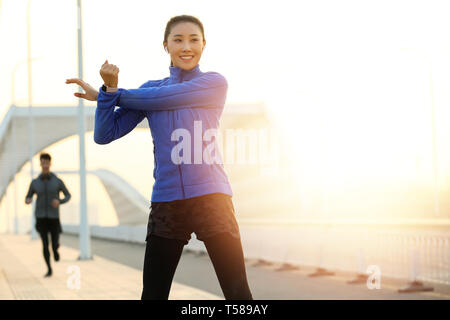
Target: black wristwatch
x=104 y=88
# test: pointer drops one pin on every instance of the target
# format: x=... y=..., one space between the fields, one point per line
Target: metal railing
x=417 y=250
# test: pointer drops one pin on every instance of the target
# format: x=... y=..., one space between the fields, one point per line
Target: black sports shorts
x=205 y=215
x=46 y=225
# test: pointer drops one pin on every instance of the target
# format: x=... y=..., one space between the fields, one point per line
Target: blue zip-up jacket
x=168 y=104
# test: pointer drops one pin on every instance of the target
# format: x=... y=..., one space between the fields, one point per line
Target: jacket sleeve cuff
x=106 y=100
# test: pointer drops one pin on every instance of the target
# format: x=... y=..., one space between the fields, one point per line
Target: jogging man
x=47 y=186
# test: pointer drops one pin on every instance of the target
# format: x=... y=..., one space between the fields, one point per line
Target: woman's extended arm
x=110 y=124
x=113 y=124
x=208 y=90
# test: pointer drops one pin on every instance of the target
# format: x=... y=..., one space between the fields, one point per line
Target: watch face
x=104 y=88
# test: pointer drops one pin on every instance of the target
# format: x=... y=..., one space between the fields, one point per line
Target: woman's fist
x=110 y=74
x=90 y=94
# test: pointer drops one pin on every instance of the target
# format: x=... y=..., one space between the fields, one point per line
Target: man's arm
x=30 y=193
x=65 y=191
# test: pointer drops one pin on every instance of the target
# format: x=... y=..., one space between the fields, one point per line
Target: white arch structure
x=131 y=206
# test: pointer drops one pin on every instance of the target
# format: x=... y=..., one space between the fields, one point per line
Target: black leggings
x=162 y=256
x=55 y=244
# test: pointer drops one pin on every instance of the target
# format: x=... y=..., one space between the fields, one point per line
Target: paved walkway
x=265 y=282
x=22 y=269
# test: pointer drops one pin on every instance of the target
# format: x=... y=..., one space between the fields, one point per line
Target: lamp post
x=30 y=117
x=433 y=132
x=85 y=247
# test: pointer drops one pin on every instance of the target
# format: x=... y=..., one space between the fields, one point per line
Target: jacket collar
x=50 y=174
x=176 y=73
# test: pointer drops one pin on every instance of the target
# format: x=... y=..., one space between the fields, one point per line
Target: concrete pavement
x=115 y=272
x=265 y=282
x=22 y=269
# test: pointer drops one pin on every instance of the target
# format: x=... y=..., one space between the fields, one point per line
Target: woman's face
x=185 y=44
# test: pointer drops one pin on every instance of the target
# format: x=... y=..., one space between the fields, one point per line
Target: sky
x=358 y=78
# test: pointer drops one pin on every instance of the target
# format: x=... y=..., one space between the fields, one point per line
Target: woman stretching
x=191 y=192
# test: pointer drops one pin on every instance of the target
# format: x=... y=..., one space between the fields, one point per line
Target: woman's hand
x=110 y=74
x=90 y=94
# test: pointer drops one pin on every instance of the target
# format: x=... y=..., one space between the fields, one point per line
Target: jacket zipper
x=46 y=198
x=181 y=180
x=154 y=156
x=179 y=166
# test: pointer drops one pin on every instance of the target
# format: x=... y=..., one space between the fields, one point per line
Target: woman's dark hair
x=45 y=156
x=182 y=18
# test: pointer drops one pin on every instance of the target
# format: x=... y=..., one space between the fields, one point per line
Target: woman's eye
x=176 y=40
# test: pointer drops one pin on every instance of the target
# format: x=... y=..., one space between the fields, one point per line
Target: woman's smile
x=187 y=58
x=185 y=45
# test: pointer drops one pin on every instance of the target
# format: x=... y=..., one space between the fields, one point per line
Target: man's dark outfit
x=47 y=187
